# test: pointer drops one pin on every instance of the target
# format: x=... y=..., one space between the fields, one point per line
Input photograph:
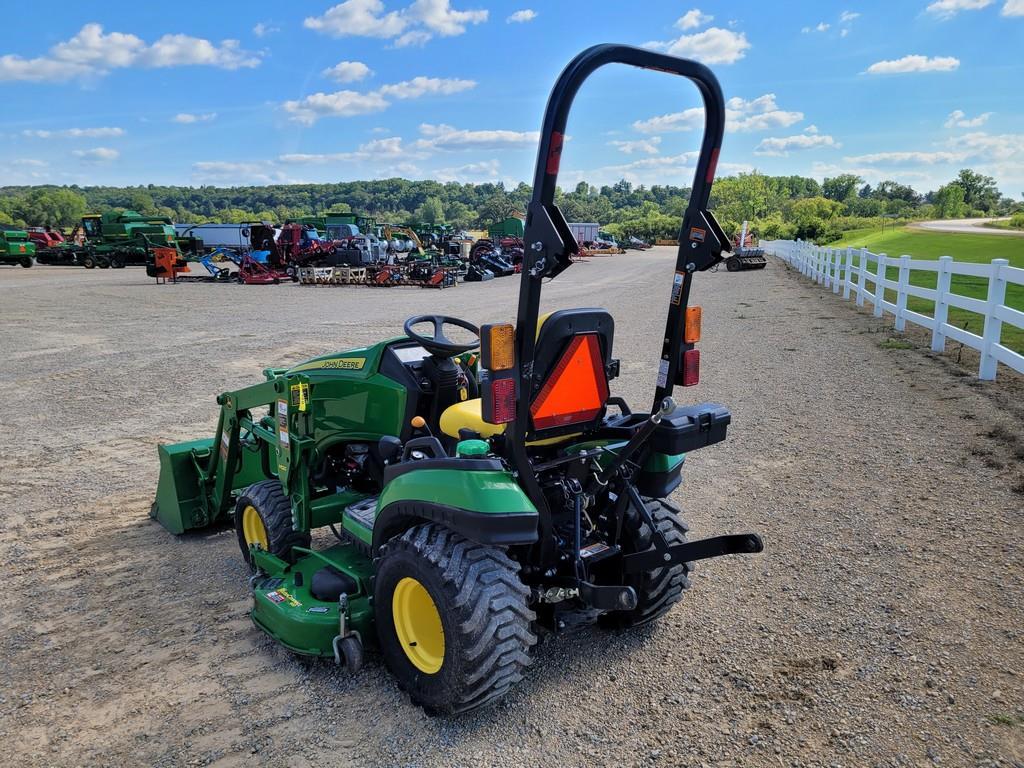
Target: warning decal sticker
x=677 y=287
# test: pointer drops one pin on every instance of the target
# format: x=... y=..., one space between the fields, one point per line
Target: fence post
x=862 y=274
x=901 y=293
x=941 y=303
x=993 y=325
x=879 y=285
x=837 y=270
x=846 y=272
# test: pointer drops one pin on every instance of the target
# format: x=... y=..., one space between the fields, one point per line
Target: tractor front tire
x=27 y=262
x=659 y=589
x=88 y=261
x=453 y=618
x=263 y=515
x=732 y=264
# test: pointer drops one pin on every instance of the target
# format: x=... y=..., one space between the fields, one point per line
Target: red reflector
x=503 y=401
x=555 y=153
x=712 y=166
x=691 y=367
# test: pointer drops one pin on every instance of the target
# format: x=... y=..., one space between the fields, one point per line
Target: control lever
x=668 y=405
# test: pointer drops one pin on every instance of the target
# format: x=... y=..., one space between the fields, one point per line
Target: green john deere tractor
x=482 y=490
x=15 y=247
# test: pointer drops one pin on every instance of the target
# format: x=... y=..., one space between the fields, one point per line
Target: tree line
x=776 y=206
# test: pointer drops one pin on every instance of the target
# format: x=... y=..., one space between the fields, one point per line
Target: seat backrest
x=569 y=388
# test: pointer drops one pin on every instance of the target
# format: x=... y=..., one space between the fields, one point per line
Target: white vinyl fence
x=851 y=270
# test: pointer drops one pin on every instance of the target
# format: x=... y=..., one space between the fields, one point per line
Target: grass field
x=962 y=247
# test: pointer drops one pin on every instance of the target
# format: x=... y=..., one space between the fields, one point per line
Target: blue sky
x=252 y=93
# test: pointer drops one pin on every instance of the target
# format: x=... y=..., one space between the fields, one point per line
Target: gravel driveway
x=882 y=626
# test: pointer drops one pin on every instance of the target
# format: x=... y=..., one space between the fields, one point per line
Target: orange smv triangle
x=576 y=389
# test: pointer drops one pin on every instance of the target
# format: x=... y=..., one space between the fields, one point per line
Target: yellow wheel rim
x=253 y=529
x=418 y=625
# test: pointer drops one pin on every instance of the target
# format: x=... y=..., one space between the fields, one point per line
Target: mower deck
x=301 y=606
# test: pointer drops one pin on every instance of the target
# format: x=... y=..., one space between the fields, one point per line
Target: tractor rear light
x=503 y=401
x=691 y=367
x=498 y=347
x=691 y=327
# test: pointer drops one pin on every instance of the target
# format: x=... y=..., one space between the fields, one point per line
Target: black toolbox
x=691 y=427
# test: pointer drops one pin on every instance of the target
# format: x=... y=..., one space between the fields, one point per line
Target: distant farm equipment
x=15 y=247
x=744 y=254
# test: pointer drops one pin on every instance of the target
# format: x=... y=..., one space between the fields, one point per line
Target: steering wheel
x=439 y=344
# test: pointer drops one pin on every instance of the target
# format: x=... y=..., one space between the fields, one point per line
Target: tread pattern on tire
x=270 y=500
x=493 y=619
x=659 y=589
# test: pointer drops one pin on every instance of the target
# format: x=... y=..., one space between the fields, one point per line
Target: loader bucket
x=180 y=504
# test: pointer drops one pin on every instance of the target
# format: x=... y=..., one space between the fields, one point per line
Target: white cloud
x=641 y=146
x=445 y=137
x=187 y=118
x=348 y=103
x=741 y=116
x=230 y=173
x=413 y=25
x=422 y=86
x=660 y=169
x=262 y=29
x=338 y=104
x=31 y=162
x=1013 y=8
x=348 y=71
x=92 y=53
x=947 y=9
x=847 y=16
x=783 y=145
x=378 y=149
x=712 y=46
x=958 y=119
x=823 y=26
x=914 y=63
x=521 y=17
x=75 y=133
x=358 y=18
x=693 y=19
x=990 y=147
x=97 y=155
x=687 y=120
x=487 y=170
x=907 y=158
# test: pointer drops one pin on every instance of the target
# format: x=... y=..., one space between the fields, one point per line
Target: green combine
x=15 y=247
x=482 y=485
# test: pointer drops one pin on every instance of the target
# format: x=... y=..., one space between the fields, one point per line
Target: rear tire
x=659 y=589
x=463 y=613
x=732 y=264
x=264 y=504
x=88 y=262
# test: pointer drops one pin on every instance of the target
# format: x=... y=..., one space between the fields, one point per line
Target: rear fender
x=484 y=505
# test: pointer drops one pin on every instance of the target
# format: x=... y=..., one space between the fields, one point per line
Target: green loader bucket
x=179 y=504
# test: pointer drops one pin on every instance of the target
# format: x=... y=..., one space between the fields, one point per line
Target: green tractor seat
x=557 y=335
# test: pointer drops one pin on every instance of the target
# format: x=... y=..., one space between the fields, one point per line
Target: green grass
x=965 y=246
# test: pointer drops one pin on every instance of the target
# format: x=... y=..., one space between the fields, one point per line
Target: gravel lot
x=882 y=626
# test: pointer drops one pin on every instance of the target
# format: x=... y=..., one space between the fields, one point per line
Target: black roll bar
x=549 y=245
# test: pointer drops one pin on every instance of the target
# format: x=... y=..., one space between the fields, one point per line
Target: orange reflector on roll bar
x=691 y=327
x=498 y=347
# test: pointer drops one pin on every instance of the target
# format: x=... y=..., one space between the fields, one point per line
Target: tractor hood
x=361 y=362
